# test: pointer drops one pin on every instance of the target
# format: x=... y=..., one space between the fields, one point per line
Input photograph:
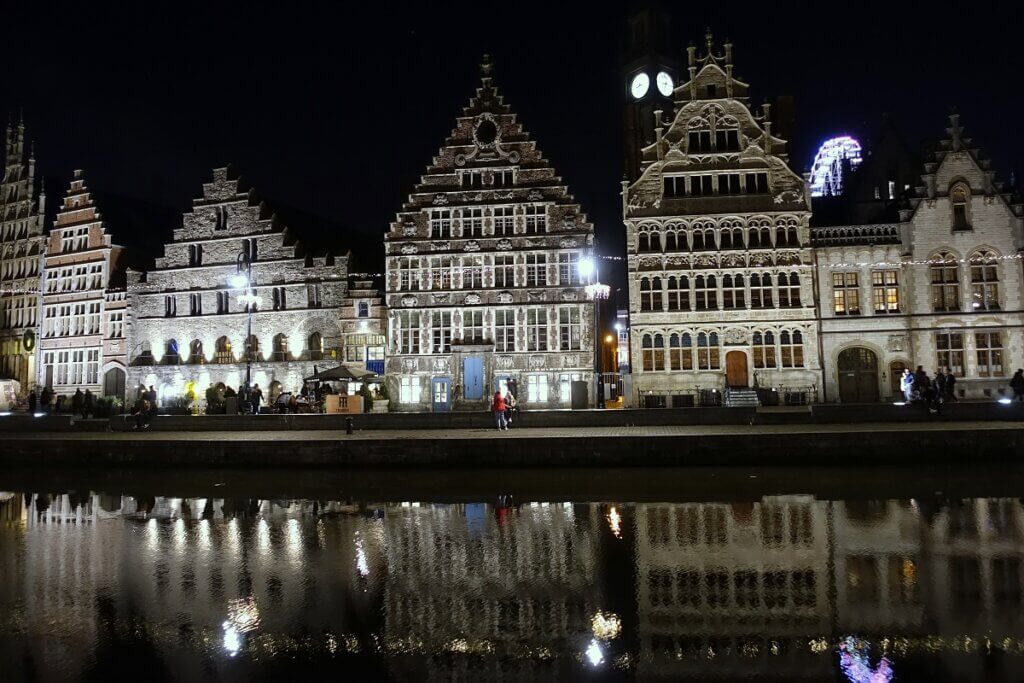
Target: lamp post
x=242 y=279
x=595 y=292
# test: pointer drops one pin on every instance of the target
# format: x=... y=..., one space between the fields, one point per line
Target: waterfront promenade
x=869 y=444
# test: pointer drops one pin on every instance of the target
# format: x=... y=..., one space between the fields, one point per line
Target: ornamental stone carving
x=409 y=364
x=514 y=157
x=503 y=245
x=761 y=260
x=678 y=262
x=441 y=363
x=440 y=246
x=705 y=261
x=410 y=249
x=472 y=245
x=897 y=343
x=788 y=258
x=409 y=230
x=440 y=199
x=567 y=242
x=440 y=298
x=733 y=261
x=535 y=195
x=472 y=299
x=570 y=295
x=537 y=361
x=735 y=336
x=535 y=295
x=570 y=360
x=504 y=297
x=650 y=263
x=503 y=362
x=408 y=300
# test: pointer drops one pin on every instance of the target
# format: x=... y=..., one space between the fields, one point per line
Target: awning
x=340 y=373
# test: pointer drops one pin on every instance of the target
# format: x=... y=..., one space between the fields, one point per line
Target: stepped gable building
x=191 y=315
x=364 y=324
x=940 y=288
x=84 y=304
x=484 y=283
x=22 y=210
x=718 y=240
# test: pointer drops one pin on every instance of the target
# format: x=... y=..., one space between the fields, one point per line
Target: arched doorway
x=736 y=369
x=858 y=375
x=114 y=382
x=896 y=369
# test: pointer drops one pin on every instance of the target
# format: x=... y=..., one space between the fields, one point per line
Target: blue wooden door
x=441 y=394
x=473 y=378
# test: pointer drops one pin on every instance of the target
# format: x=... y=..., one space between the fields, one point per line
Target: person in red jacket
x=498 y=407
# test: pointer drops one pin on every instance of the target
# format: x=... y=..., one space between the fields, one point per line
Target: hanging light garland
x=981 y=260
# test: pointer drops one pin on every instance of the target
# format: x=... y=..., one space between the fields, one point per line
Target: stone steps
x=741 y=398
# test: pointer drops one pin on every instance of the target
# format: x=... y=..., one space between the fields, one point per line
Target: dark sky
x=336 y=108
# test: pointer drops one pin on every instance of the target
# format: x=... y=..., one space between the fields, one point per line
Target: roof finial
x=486 y=66
x=955 y=130
x=709 y=39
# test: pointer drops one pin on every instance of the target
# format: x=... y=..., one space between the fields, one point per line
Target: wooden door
x=858 y=376
x=736 y=369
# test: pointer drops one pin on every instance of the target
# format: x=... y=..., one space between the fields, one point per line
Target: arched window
x=655 y=241
x=657 y=302
x=315 y=346
x=686 y=349
x=960 y=200
x=171 y=353
x=708 y=352
x=653 y=349
x=252 y=348
x=670 y=241
x=984 y=281
x=789 y=290
x=195 y=352
x=280 y=351
x=726 y=240
x=709 y=240
x=791 y=347
x=647 y=352
x=792 y=237
x=222 y=351
x=659 y=352
x=754 y=240
x=698 y=240
x=643 y=242
x=674 y=352
x=765 y=237
x=945 y=282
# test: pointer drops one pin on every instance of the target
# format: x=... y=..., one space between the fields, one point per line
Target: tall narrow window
x=678 y=293
x=409 y=274
x=195 y=304
x=473 y=326
x=984 y=282
x=472 y=272
x=791 y=348
x=170 y=307
x=220 y=218
x=195 y=254
x=845 y=294
x=646 y=295
x=569 y=268
x=789 y=290
x=408 y=332
x=223 y=302
x=504 y=330
x=569 y=328
x=249 y=249
x=536 y=219
x=733 y=292
x=960 y=199
x=537 y=329
x=949 y=347
x=441 y=327
x=705 y=293
x=279 y=298
x=440 y=224
x=761 y=291
x=989 y=349
x=472 y=222
x=945 y=283
x=885 y=291
x=504 y=271
x=763 y=347
x=536 y=270
x=708 y=351
x=504 y=221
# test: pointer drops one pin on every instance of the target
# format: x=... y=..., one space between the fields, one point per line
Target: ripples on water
x=790 y=588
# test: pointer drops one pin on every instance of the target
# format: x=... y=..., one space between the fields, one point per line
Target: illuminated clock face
x=638 y=88
x=665 y=83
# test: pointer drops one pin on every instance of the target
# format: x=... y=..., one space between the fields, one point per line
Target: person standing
x=87 y=404
x=76 y=402
x=940 y=385
x=257 y=399
x=1017 y=384
x=951 y=386
x=32 y=401
x=921 y=381
x=510 y=407
x=907 y=385
x=46 y=398
x=498 y=408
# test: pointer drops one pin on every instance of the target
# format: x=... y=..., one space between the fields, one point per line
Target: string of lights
x=980 y=260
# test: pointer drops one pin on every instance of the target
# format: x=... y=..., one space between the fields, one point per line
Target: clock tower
x=649 y=75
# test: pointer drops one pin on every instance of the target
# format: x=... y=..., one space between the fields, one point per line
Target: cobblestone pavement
x=527 y=433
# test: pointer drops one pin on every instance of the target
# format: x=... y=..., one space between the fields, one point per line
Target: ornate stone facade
x=720 y=268
x=483 y=278
x=190 y=325
x=82 y=344
x=940 y=288
x=22 y=209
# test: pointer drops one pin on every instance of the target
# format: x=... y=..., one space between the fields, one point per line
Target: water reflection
x=786 y=587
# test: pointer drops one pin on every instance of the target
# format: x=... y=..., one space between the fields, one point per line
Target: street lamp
x=596 y=292
x=242 y=279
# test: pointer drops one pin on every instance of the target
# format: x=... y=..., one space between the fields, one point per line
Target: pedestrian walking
x=921 y=381
x=88 y=403
x=510 y=407
x=907 y=385
x=498 y=407
x=1017 y=384
x=32 y=401
x=940 y=385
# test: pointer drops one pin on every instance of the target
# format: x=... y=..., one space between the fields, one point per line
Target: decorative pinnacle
x=709 y=39
x=486 y=66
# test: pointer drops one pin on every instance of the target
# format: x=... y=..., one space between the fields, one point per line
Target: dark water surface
x=554 y=575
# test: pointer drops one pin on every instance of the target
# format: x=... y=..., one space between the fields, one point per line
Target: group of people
x=504 y=407
x=144 y=409
x=48 y=401
x=932 y=391
x=249 y=399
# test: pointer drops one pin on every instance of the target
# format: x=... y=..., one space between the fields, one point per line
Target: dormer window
x=472 y=179
x=960 y=198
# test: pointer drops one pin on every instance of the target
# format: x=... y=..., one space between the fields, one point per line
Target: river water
x=209 y=576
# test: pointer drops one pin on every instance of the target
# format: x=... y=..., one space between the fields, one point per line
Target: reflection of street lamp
x=595 y=291
x=242 y=279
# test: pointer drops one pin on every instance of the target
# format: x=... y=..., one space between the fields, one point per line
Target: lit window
x=989 y=349
x=845 y=294
x=885 y=291
x=984 y=282
x=945 y=283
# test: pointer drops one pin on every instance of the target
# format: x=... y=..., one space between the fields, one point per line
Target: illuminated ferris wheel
x=827 y=171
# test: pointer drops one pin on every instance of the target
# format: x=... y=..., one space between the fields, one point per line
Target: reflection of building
x=717 y=234
x=729 y=587
x=82 y=344
x=473 y=579
x=22 y=209
x=191 y=314
x=484 y=278
x=940 y=287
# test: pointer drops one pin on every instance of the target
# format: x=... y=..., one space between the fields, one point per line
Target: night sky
x=337 y=109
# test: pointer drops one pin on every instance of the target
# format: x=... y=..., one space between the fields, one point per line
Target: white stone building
x=82 y=343
x=190 y=324
x=942 y=288
x=22 y=210
x=484 y=284
x=718 y=241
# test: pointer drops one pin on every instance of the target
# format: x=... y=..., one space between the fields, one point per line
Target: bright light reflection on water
x=95 y=585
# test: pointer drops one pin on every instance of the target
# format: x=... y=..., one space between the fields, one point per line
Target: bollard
x=348 y=425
